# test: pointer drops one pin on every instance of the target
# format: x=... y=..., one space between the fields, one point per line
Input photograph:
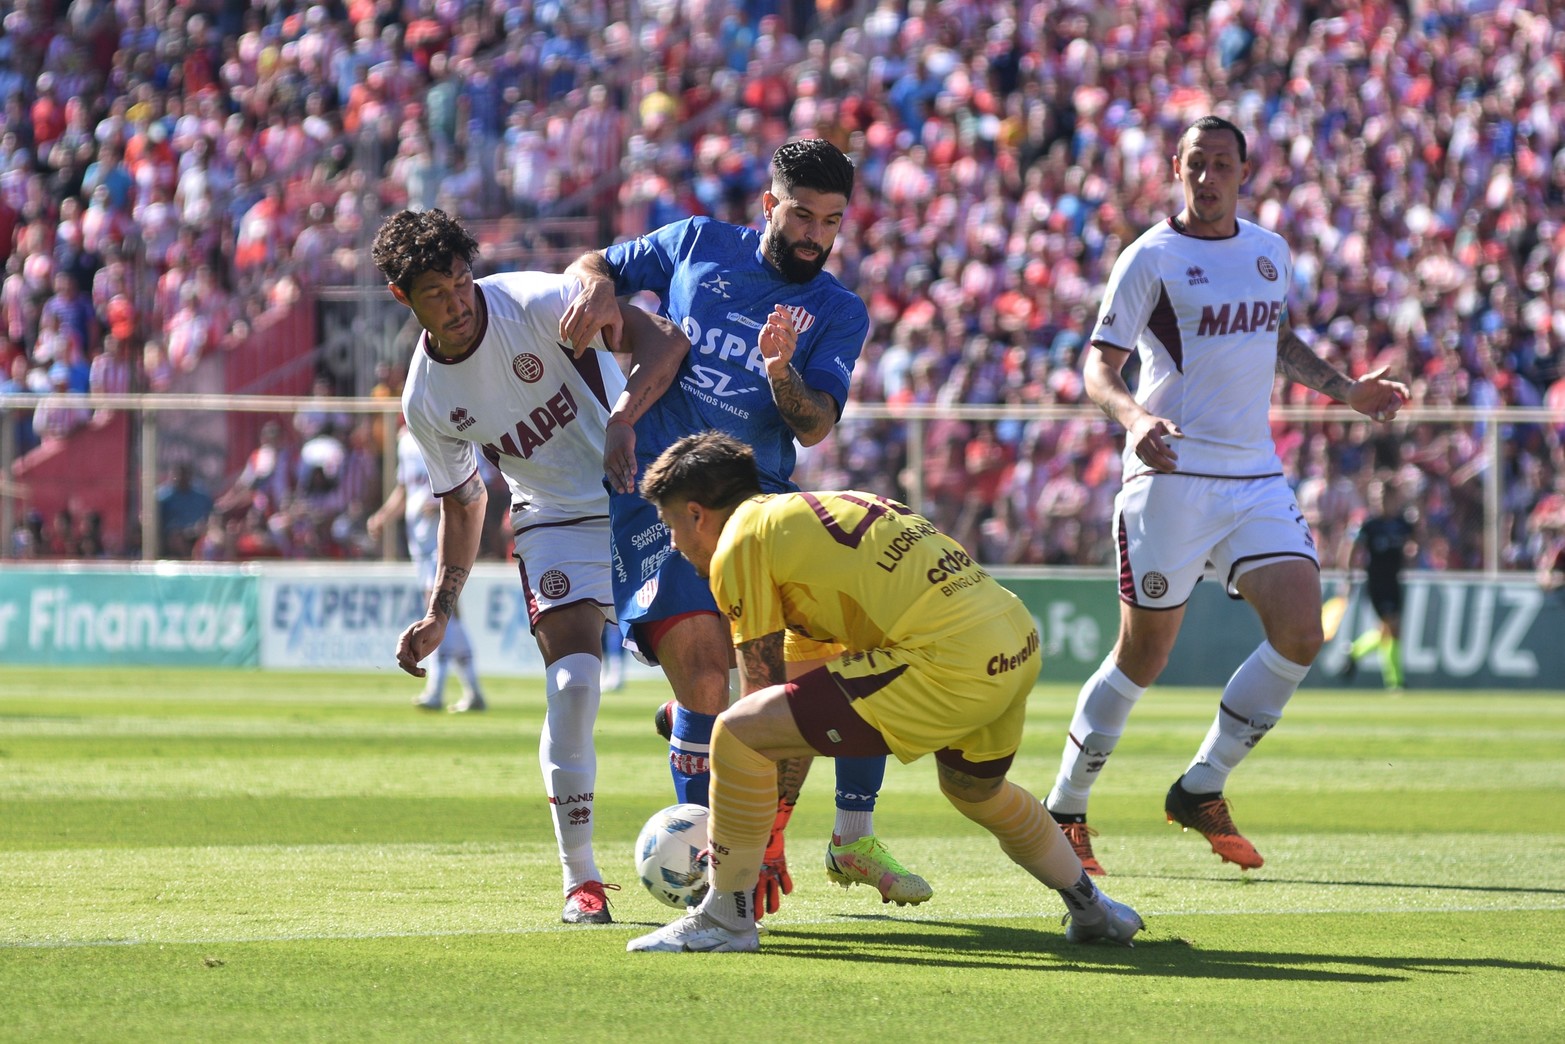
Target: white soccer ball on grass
x=670 y=855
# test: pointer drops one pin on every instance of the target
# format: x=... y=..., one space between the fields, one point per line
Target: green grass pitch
x=246 y=856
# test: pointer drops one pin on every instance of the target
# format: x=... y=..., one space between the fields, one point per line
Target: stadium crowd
x=168 y=171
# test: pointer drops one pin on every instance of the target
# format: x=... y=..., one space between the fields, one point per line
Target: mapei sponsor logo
x=1197 y=275
x=1238 y=317
x=462 y=419
x=1005 y=662
x=537 y=428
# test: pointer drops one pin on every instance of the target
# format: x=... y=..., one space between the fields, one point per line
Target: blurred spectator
x=20 y=418
x=189 y=330
x=155 y=366
x=90 y=542
x=183 y=508
x=266 y=479
x=112 y=373
x=57 y=415
x=316 y=420
x=72 y=309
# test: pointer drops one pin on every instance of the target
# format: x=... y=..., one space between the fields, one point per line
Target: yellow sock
x=1027 y=833
x=744 y=804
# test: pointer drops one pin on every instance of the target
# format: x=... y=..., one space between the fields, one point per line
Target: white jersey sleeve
x=1203 y=317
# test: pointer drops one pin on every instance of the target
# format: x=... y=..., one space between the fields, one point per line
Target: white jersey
x=1203 y=314
x=520 y=396
x=420 y=512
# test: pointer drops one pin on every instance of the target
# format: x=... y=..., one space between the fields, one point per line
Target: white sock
x=569 y=762
x=1252 y=703
x=439 y=667
x=1102 y=708
x=460 y=646
x=456 y=641
x=851 y=825
x=730 y=909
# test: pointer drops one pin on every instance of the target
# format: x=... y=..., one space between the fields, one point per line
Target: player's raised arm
x=809 y=412
x=1372 y=394
x=595 y=308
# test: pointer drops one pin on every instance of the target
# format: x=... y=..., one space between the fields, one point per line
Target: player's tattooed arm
x=790 y=778
x=1297 y=362
x=462 y=514
x=761 y=663
x=810 y=413
x=448 y=586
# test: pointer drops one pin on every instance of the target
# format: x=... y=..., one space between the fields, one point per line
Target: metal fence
x=1475 y=472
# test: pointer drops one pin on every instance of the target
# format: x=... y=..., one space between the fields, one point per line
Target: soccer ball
x=670 y=855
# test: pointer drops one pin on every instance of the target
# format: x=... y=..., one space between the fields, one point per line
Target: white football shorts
x=565 y=563
x=1170 y=528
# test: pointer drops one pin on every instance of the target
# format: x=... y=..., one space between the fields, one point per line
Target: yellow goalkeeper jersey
x=847 y=567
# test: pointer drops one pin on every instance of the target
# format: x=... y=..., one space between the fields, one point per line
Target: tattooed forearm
x=448 y=588
x=790 y=778
x=1297 y=362
x=810 y=413
x=461 y=527
x=761 y=662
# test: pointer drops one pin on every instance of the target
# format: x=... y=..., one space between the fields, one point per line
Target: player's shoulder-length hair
x=812 y=163
x=413 y=242
x=710 y=468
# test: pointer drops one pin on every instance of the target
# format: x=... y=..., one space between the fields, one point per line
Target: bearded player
x=774 y=339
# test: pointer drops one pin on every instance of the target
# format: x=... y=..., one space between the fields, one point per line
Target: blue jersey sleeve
x=647 y=262
x=828 y=366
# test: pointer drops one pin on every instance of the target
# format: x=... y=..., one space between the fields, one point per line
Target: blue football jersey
x=715 y=283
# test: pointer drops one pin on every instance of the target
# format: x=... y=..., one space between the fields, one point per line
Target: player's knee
x=705 y=692
x=1301 y=644
x=1141 y=663
x=963 y=788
